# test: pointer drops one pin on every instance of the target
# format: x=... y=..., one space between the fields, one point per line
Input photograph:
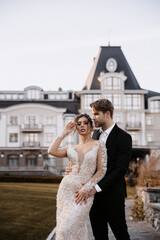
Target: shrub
x=148 y=174
x=137 y=211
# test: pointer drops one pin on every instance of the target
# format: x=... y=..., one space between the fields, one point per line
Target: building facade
x=31 y=119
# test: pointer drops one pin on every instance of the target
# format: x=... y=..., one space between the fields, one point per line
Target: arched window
x=13 y=160
x=31 y=160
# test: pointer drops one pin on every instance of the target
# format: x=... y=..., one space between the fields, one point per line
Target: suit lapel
x=111 y=138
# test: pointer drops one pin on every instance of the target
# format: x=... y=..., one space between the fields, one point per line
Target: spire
x=109 y=37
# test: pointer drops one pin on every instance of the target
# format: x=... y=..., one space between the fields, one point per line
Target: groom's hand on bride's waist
x=68 y=170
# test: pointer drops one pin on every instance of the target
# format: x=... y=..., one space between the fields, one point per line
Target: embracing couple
x=95 y=184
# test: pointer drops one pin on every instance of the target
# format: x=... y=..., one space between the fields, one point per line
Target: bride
x=88 y=160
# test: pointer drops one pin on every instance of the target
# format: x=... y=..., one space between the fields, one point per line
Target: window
x=117 y=117
x=32 y=137
x=133 y=120
x=112 y=83
x=13 y=137
x=116 y=83
x=45 y=96
x=49 y=137
x=31 y=120
x=49 y=161
x=14 y=96
x=31 y=140
x=115 y=99
x=33 y=94
x=108 y=83
x=134 y=136
x=68 y=119
x=52 y=96
x=148 y=120
x=2 y=96
x=89 y=98
x=70 y=138
x=58 y=96
x=31 y=160
x=50 y=120
x=70 y=95
x=13 y=160
x=149 y=137
x=155 y=106
x=20 y=96
x=65 y=96
x=13 y=120
x=132 y=101
x=8 y=96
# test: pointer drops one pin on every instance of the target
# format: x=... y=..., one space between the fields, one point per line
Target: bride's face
x=83 y=126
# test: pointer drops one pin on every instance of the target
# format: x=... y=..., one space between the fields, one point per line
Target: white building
x=30 y=119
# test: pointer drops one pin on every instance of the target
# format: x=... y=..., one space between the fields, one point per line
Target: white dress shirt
x=103 y=137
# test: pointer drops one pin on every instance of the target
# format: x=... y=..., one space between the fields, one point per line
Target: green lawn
x=27 y=210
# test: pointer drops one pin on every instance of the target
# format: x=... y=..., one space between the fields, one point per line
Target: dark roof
x=100 y=66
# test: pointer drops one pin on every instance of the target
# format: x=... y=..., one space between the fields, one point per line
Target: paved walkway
x=138 y=230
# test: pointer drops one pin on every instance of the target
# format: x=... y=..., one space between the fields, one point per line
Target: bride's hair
x=86 y=116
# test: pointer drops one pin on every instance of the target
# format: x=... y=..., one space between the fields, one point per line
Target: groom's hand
x=68 y=170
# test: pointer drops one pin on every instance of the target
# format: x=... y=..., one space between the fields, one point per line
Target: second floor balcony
x=31 y=128
x=31 y=144
x=133 y=126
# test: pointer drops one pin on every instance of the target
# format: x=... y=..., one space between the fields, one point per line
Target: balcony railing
x=25 y=168
x=133 y=126
x=29 y=168
x=31 y=144
x=31 y=128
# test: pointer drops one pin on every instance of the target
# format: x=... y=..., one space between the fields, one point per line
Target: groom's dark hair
x=103 y=105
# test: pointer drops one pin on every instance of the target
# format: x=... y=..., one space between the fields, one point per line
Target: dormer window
x=112 y=83
x=155 y=105
x=33 y=92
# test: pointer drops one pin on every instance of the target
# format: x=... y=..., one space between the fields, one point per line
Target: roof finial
x=109 y=37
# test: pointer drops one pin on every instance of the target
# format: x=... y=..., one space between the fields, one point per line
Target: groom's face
x=99 y=118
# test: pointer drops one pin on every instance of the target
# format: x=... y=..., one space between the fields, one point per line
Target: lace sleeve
x=101 y=168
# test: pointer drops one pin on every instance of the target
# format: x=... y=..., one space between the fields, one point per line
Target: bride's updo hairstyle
x=86 y=116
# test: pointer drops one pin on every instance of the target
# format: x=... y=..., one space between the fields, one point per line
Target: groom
x=110 y=192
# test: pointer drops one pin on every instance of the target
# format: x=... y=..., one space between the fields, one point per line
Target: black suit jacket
x=119 y=146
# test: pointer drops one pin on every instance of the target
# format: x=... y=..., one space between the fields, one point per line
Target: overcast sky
x=52 y=43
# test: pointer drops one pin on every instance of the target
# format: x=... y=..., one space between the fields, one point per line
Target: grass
x=27 y=210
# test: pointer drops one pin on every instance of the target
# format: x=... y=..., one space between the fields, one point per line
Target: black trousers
x=112 y=212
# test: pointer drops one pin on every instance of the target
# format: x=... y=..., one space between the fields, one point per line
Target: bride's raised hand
x=68 y=129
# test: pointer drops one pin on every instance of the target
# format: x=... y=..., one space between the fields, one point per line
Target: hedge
x=31 y=179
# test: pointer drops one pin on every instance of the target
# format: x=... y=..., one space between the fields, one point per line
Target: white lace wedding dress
x=72 y=218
